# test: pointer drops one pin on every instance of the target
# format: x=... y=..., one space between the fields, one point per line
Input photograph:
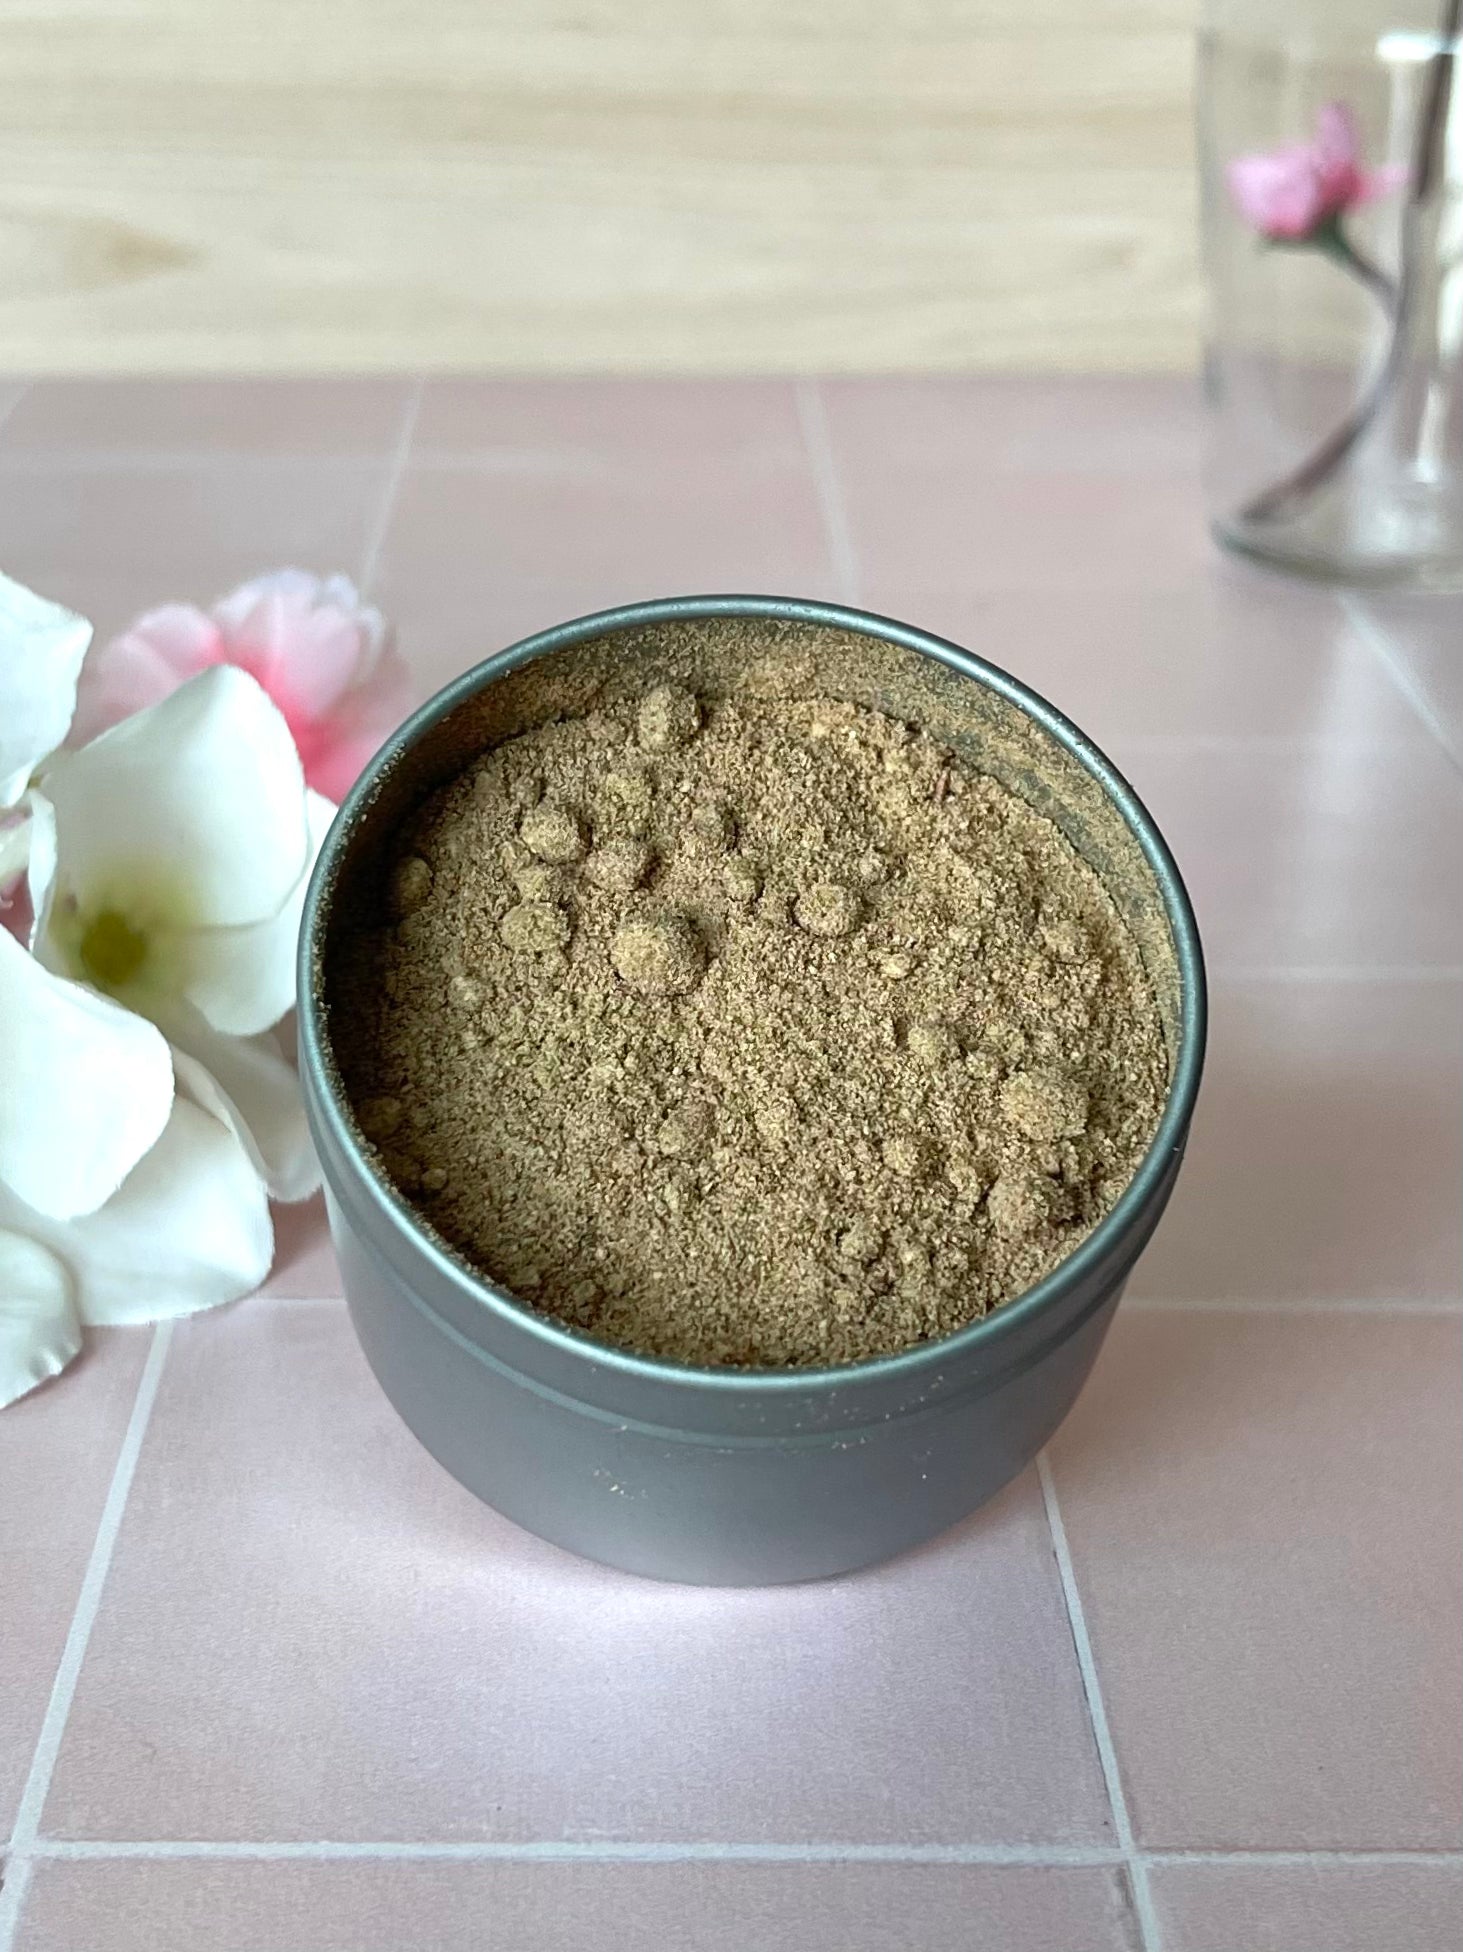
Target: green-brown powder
x=749 y=1031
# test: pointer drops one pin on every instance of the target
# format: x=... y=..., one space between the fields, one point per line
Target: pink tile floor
x=271 y=1680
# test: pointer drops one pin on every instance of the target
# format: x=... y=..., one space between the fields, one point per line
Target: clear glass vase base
x=1321 y=562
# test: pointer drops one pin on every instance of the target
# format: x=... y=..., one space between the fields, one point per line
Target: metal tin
x=738 y=1477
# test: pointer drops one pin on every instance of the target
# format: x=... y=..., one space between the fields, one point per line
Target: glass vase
x=1331 y=158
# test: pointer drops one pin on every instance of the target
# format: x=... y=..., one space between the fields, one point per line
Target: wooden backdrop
x=661 y=185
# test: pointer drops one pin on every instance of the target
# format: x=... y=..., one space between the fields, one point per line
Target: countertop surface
x=272 y=1680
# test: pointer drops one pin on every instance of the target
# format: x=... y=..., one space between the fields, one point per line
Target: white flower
x=168 y=867
x=41 y=648
x=121 y=1200
x=147 y=1111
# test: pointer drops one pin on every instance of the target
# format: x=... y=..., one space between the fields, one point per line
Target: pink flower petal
x=325 y=658
x=335 y=766
x=1336 y=153
x=145 y=664
x=1277 y=193
x=307 y=642
x=1375 y=184
x=1286 y=193
x=315 y=665
x=335 y=749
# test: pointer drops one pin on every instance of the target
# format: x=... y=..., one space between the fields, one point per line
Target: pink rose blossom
x=1288 y=194
x=324 y=657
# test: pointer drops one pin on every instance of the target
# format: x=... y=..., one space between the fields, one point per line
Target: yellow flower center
x=111 y=950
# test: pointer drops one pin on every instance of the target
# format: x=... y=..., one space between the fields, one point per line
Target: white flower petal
x=41 y=648
x=247 y=1082
x=40 y=856
x=39 y=1330
x=14 y=847
x=243 y=980
x=199 y=799
x=85 y=1088
x=189 y=1228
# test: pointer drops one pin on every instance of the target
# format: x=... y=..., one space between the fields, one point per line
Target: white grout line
x=1280 y=745
x=1292 y=1305
x=1375 y=637
x=813 y=419
x=63 y=1689
x=46 y=463
x=371 y=556
x=1036 y=1855
x=1402 y=972
x=553 y=1850
x=1107 y=1755
x=1306 y=1860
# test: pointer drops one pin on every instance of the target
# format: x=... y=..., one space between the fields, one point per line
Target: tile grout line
x=371 y=555
x=16 y=464
x=556 y=1850
x=818 y=447
x=1107 y=1755
x=26 y=1828
x=1375 y=637
x=1299 y=1860
x=1036 y=1856
x=1441 y=1306
x=1339 y=973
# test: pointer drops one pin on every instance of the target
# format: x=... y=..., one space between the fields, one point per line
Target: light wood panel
x=664 y=185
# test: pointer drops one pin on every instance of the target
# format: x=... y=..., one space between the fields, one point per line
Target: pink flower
x=1289 y=194
x=325 y=658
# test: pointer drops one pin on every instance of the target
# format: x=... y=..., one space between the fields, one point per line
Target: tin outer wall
x=725 y=1477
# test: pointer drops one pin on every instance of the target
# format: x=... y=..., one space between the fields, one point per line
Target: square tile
x=117 y=541
x=1013 y=533
x=1234 y=655
x=58 y=1449
x=318 y=419
x=1010 y=422
x=364 y=1651
x=1326 y=1152
x=1335 y=1908
x=693 y=1907
x=1325 y=856
x=1087 y=487
x=1264 y=1517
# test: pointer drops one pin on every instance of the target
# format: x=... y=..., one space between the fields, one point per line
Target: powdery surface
x=752 y=1032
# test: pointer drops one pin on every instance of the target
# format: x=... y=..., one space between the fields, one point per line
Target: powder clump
x=669 y=717
x=535 y=928
x=553 y=833
x=658 y=954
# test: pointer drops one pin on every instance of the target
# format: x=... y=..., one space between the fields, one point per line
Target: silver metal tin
x=719 y=1476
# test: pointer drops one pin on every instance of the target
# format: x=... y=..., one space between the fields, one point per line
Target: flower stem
x=1333 y=243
